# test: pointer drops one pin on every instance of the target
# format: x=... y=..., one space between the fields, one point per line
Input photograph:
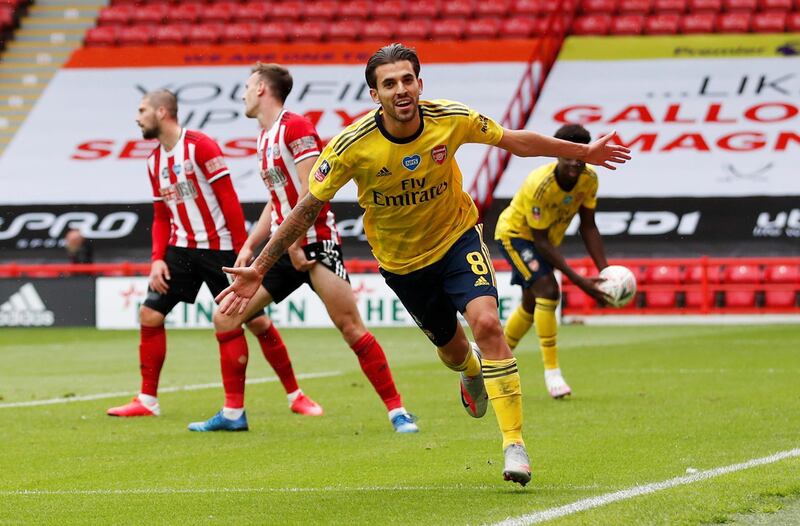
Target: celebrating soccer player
x=529 y=233
x=422 y=227
x=288 y=146
x=198 y=226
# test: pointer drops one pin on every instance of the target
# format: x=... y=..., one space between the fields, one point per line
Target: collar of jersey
x=399 y=140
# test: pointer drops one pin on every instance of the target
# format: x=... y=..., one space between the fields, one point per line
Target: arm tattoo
x=293 y=227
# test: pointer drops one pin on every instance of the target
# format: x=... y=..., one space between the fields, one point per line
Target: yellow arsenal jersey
x=542 y=205
x=410 y=188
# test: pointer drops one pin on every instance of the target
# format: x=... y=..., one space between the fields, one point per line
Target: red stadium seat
x=345 y=30
x=291 y=10
x=705 y=6
x=577 y=299
x=240 y=33
x=782 y=274
x=733 y=22
x=324 y=10
x=271 y=32
x=390 y=9
x=793 y=22
x=735 y=6
x=102 y=36
x=740 y=298
x=594 y=24
x=769 y=22
x=664 y=275
x=354 y=10
x=170 y=34
x=789 y=277
x=380 y=30
x=694 y=275
x=528 y=8
x=150 y=14
x=458 y=9
x=424 y=9
x=775 y=5
x=552 y=6
x=482 y=28
x=627 y=25
x=518 y=27
x=693 y=23
x=669 y=6
x=495 y=8
x=252 y=12
x=741 y=274
x=664 y=24
x=448 y=29
x=635 y=7
x=413 y=30
x=660 y=299
x=308 y=31
x=221 y=12
x=139 y=35
x=600 y=7
x=184 y=14
x=119 y=15
x=204 y=34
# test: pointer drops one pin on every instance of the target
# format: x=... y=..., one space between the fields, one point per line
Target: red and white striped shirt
x=290 y=140
x=201 y=216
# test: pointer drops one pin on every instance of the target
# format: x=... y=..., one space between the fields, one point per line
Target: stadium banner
x=118 y=301
x=63 y=302
x=81 y=144
x=705 y=116
x=715 y=224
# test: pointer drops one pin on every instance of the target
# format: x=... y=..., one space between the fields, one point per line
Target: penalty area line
x=173 y=389
x=645 y=489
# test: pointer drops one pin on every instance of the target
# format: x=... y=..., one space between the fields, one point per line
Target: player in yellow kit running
x=529 y=232
x=422 y=227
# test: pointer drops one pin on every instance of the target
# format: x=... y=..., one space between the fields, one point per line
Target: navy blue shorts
x=527 y=265
x=434 y=294
x=189 y=268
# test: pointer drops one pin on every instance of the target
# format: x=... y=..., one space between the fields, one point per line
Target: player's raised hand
x=234 y=299
x=601 y=153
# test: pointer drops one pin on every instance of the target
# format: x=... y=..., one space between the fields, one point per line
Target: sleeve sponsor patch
x=216 y=164
x=322 y=171
x=302 y=145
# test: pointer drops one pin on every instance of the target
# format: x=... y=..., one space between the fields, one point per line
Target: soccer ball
x=619 y=285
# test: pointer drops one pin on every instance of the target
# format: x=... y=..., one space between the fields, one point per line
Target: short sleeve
x=591 y=197
x=328 y=174
x=301 y=138
x=210 y=160
x=482 y=129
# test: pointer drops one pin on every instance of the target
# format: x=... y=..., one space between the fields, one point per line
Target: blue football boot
x=220 y=423
x=404 y=423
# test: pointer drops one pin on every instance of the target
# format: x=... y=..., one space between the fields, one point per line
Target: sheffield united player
x=198 y=226
x=288 y=147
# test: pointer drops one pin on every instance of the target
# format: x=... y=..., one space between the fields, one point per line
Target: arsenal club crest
x=439 y=154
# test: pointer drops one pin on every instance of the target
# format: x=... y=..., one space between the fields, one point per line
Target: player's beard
x=150 y=133
x=410 y=111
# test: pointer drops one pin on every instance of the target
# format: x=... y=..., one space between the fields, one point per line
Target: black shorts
x=527 y=265
x=434 y=294
x=189 y=268
x=283 y=279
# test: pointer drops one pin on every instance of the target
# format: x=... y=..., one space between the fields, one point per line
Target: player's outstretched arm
x=526 y=143
x=591 y=238
x=246 y=281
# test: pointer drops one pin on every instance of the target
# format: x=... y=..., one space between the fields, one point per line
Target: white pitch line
x=175 y=389
x=204 y=491
x=636 y=491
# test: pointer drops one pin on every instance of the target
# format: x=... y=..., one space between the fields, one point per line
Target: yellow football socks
x=517 y=326
x=546 y=328
x=502 y=384
x=471 y=366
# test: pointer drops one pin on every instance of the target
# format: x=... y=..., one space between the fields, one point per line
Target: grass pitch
x=649 y=403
